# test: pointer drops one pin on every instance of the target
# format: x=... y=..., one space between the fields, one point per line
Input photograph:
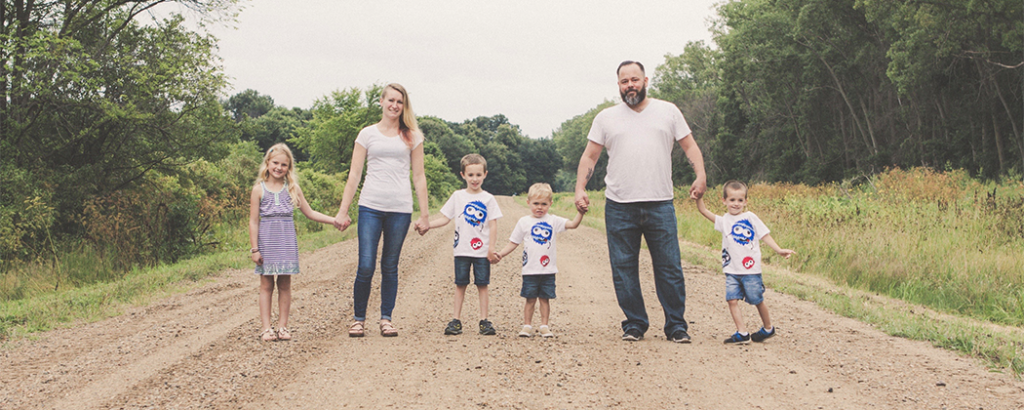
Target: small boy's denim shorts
x=538 y=286
x=750 y=288
x=481 y=271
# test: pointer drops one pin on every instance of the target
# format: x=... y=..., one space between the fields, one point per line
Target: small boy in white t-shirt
x=476 y=214
x=741 y=259
x=537 y=234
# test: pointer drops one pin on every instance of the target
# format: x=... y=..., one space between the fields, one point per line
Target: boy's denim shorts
x=538 y=286
x=481 y=271
x=749 y=288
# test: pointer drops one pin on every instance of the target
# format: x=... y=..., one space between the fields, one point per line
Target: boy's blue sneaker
x=760 y=335
x=738 y=339
x=486 y=328
x=454 y=327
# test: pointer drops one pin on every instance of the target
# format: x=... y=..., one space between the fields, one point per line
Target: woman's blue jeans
x=655 y=222
x=373 y=224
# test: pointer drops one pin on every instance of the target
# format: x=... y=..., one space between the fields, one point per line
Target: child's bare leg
x=284 y=299
x=545 y=310
x=734 y=310
x=266 y=295
x=484 y=295
x=460 y=295
x=528 y=311
x=762 y=309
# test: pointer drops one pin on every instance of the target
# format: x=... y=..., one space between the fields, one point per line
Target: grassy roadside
x=999 y=345
x=66 y=308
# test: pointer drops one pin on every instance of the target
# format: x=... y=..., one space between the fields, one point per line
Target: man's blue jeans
x=656 y=222
x=372 y=225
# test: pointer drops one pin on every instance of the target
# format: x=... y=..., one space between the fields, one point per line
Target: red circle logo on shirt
x=748 y=262
x=544 y=260
x=476 y=243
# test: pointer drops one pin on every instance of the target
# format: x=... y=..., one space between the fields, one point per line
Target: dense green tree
x=452 y=145
x=330 y=134
x=249 y=103
x=819 y=90
x=95 y=102
x=540 y=161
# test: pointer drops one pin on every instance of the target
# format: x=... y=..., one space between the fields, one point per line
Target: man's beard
x=636 y=99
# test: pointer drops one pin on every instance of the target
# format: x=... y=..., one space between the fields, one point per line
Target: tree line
x=115 y=134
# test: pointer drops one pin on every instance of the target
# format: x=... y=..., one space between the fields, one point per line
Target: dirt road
x=201 y=349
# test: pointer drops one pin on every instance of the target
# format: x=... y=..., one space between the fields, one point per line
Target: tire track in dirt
x=201 y=349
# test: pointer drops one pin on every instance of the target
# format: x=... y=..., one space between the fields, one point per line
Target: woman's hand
x=257 y=257
x=423 y=224
x=342 y=222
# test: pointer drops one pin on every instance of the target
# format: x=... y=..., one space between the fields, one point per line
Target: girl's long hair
x=291 y=177
x=407 y=126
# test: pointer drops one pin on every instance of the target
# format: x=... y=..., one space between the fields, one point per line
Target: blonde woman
x=389 y=149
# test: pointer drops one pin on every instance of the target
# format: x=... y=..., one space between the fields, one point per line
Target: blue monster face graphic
x=526 y=257
x=541 y=233
x=456 y=245
x=726 y=258
x=475 y=213
x=743 y=233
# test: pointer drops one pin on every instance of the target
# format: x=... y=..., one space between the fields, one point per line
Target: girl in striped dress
x=275 y=248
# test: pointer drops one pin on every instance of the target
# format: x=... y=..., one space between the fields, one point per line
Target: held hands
x=422 y=226
x=494 y=257
x=342 y=222
x=698 y=188
x=582 y=201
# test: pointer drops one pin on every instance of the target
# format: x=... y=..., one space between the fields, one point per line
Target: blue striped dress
x=278 y=243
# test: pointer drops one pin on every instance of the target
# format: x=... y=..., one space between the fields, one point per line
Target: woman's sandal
x=356 y=330
x=388 y=330
x=283 y=334
x=268 y=335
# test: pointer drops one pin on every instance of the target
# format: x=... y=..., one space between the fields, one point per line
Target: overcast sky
x=539 y=63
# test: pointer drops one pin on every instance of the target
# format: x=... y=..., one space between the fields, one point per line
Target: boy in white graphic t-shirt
x=475 y=212
x=741 y=259
x=537 y=234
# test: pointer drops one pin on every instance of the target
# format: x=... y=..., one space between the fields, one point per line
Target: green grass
x=45 y=310
x=937 y=243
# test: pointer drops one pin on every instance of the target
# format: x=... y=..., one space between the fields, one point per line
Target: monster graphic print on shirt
x=743 y=233
x=475 y=213
x=541 y=233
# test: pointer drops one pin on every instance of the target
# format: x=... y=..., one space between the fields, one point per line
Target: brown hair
x=473 y=159
x=733 y=185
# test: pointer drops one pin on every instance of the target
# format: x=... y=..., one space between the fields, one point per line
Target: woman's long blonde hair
x=291 y=177
x=407 y=126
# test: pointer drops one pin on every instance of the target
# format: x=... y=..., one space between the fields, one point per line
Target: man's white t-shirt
x=537 y=235
x=472 y=214
x=639 y=148
x=741 y=242
x=387 y=187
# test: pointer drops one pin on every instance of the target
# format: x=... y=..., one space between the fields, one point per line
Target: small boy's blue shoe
x=486 y=328
x=738 y=339
x=760 y=335
x=454 y=327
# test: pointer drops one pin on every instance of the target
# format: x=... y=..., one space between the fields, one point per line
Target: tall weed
x=941 y=240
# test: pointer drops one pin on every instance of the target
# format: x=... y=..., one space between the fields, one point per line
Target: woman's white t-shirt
x=387 y=187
